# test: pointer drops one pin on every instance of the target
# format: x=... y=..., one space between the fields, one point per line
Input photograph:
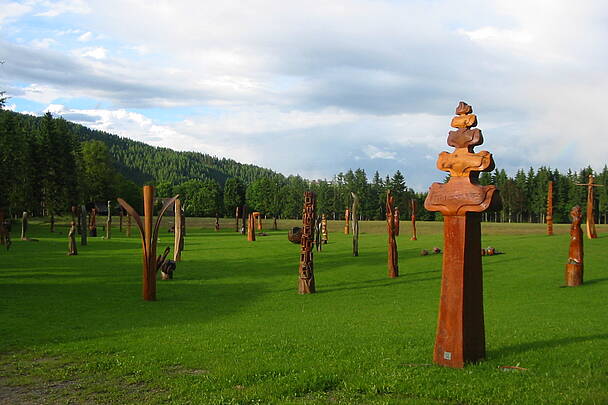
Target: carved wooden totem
x=355 y=215
x=346 y=223
x=83 y=225
x=251 y=228
x=324 y=234
x=591 y=232
x=393 y=258
x=109 y=221
x=236 y=217
x=574 y=267
x=413 y=217
x=306 y=283
x=460 y=334
x=178 y=242
x=93 y=223
x=149 y=238
x=396 y=220
x=72 y=250
x=24 y=224
x=550 y=209
x=243 y=216
x=318 y=234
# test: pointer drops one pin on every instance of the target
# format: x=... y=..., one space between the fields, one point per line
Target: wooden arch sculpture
x=149 y=237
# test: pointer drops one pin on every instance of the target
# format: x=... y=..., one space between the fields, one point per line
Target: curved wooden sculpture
x=295 y=235
x=413 y=217
x=324 y=234
x=550 y=209
x=574 y=267
x=460 y=334
x=251 y=228
x=591 y=232
x=217 y=223
x=178 y=237
x=149 y=237
x=346 y=224
x=109 y=221
x=306 y=283
x=257 y=218
x=393 y=259
x=72 y=250
x=355 y=224
x=396 y=220
x=93 y=223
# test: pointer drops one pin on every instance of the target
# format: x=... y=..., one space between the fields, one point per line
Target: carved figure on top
x=464 y=136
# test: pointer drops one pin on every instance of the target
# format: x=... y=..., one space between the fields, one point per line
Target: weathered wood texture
x=396 y=215
x=236 y=218
x=178 y=237
x=413 y=218
x=324 y=234
x=346 y=222
x=591 y=232
x=574 y=267
x=355 y=215
x=393 y=258
x=306 y=281
x=5 y=230
x=72 y=249
x=93 y=223
x=109 y=221
x=251 y=228
x=149 y=237
x=550 y=209
x=460 y=334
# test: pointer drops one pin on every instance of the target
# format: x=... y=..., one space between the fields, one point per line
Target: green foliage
x=200 y=197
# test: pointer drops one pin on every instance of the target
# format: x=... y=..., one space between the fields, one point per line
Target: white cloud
x=43 y=43
x=57 y=7
x=95 y=52
x=374 y=152
x=87 y=36
x=12 y=10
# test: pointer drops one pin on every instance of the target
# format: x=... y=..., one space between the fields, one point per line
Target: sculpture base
x=460 y=335
x=574 y=274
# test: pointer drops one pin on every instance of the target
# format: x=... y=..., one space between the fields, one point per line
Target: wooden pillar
x=460 y=334
x=413 y=217
x=550 y=209
x=346 y=223
x=177 y=227
x=251 y=228
x=24 y=225
x=109 y=221
x=574 y=267
x=396 y=221
x=306 y=284
x=236 y=217
x=393 y=258
x=355 y=224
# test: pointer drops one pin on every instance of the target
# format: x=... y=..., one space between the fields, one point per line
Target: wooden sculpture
x=393 y=259
x=574 y=267
x=121 y=214
x=460 y=334
x=591 y=233
x=295 y=235
x=306 y=284
x=217 y=222
x=251 y=228
x=178 y=241
x=257 y=218
x=166 y=266
x=413 y=217
x=72 y=250
x=550 y=209
x=318 y=234
x=346 y=224
x=324 y=234
x=109 y=221
x=83 y=225
x=396 y=220
x=355 y=224
x=149 y=237
x=236 y=217
x=5 y=231
x=24 y=225
x=243 y=216
x=93 y=223
x=128 y=225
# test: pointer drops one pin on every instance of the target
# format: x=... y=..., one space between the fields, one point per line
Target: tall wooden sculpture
x=243 y=216
x=346 y=223
x=24 y=225
x=550 y=209
x=217 y=222
x=413 y=209
x=317 y=233
x=83 y=225
x=72 y=250
x=393 y=259
x=251 y=228
x=149 y=237
x=178 y=242
x=324 y=234
x=591 y=233
x=236 y=217
x=396 y=221
x=306 y=284
x=574 y=267
x=355 y=224
x=109 y=221
x=460 y=331
x=93 y=223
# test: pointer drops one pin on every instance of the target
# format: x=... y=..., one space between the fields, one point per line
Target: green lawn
x=231 y=328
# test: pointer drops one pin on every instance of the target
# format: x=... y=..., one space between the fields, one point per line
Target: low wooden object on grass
x=149 y=237
x=393 y=258
x=574 y=267
x=460 y=334
x=306 y=283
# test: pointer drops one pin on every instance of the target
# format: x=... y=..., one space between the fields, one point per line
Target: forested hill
x=143 y=163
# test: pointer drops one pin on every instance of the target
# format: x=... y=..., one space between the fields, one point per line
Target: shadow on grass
x=542 y=344
x=595 y=281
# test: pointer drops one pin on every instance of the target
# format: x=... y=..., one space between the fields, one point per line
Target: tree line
x=48 y=164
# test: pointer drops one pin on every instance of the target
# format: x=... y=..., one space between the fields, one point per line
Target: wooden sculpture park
x=149 y=238
x=306 y=283
x=460 y=334
x=393 y=258
x=178 y=227
x=574 y=267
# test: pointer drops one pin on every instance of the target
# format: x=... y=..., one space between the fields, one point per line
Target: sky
x=319 y=87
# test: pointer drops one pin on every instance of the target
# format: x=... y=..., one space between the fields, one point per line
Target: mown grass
x=231 y=328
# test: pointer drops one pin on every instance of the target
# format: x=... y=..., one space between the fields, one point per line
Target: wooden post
x=236 y=217
x=217 y=222
x=109 y=221
x=128 y=225
x=355 y=224
x=306 y=284
x=120 y=221
x=550 y=209
x=251 y=228
x=24 y=224
x=83 y=225
x=149 y=236
x=72 y=249
x=393 y=258
x=574 y=267
x=413 y=209
x=460 y=334
x=591 y=232
x=324 y=234
x=177 y=228
x=346 y=219
x=396 y=221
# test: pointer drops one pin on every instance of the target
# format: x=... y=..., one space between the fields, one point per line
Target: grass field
x=231 y=328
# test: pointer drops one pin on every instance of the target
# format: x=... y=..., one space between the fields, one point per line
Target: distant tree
x=234 y=195
x=99 y=173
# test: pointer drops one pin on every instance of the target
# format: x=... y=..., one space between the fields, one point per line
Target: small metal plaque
x=447 y=355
